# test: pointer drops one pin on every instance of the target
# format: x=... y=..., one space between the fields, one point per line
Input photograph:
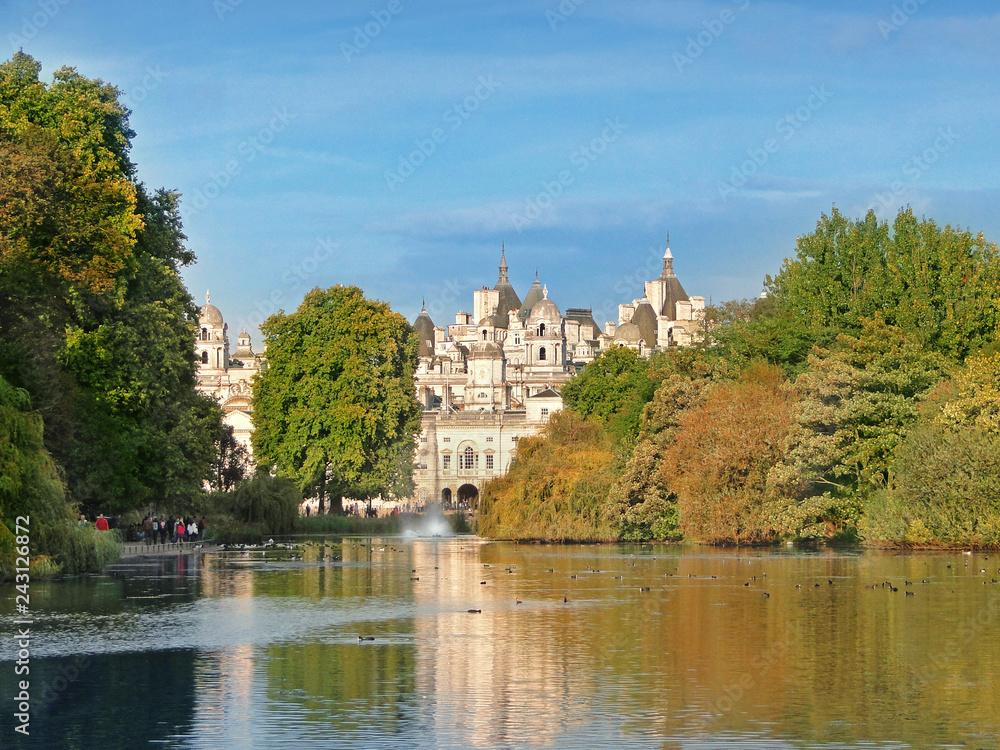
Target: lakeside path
x=134 y=550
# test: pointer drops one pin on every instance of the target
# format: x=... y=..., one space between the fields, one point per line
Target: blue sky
x=396 y=144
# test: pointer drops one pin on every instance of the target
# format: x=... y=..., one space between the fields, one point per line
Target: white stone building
x=226 y=377
x=485 y=381
x=494 y=375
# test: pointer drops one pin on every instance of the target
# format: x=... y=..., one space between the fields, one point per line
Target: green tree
x=232 y=463
x=143 y=434
x=613 y=389
x=939 y=284
x=29 y=482
x=271 y=503
x=336 y=409
x=861 y=399
x=975 y=401
x=745 y=332
x=94 y=321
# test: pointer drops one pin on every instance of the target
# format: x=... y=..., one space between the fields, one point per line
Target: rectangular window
x=446 y=440
x=489 y=438
x=545 y=412
x=489 y=460
x=423 y=438
x=446 y=462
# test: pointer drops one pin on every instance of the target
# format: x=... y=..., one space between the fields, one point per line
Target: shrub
x=77 y=549
x=335 y=524
x=556 y=489
x=947 y=490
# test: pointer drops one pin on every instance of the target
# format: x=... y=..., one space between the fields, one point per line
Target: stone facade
x=485 y=381
x=226 y=377
x=494 y=375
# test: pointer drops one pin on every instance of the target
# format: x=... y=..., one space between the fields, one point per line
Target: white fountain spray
x=431 y=524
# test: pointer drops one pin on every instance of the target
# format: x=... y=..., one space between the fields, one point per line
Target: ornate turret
x=508 y=297
x=668 y=263
x=212 y=340
x=670 y=291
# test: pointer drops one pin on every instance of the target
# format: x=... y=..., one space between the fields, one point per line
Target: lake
x=634 y=646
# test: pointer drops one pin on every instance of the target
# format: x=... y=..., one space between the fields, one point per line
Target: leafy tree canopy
x=940 y=284
x=612 y=390
x=336 y=409
x=95 y=323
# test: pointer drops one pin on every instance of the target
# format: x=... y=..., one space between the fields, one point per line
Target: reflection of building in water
x=495 y=680
x=224 y=678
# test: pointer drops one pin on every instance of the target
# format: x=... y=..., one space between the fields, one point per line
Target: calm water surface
x=574 y=647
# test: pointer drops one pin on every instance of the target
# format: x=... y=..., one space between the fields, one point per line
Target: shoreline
x=139 y=550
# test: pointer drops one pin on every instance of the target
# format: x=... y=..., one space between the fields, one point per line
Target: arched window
x=484 y=334
x=468 y=459
x=541 y=354
x=204 y=358
x=204 y=334
x=541 y=329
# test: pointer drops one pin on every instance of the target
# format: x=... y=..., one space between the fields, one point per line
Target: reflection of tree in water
x=125 y=700
x=350 y=687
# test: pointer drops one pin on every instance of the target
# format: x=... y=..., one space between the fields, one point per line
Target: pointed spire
x=668 y=261
x=503 y=266
x=208 y=297
x=423 y=305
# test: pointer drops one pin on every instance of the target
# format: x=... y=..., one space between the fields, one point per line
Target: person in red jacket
x=101 y=523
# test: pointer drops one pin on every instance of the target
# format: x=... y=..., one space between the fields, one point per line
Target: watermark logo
x=248 y=150
x=713 y=29
x=900 y=16
x=561 y=14
x=363 y=35
x=455 y=116
x=30 y=26
x=581 y=158
x=914 y=169
x=786 y=128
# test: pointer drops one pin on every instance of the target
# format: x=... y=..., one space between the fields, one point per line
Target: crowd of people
x=156 y=530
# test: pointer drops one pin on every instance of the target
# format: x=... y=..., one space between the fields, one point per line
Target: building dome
x=628 y=333
x=209 y=314
x=544 y=311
